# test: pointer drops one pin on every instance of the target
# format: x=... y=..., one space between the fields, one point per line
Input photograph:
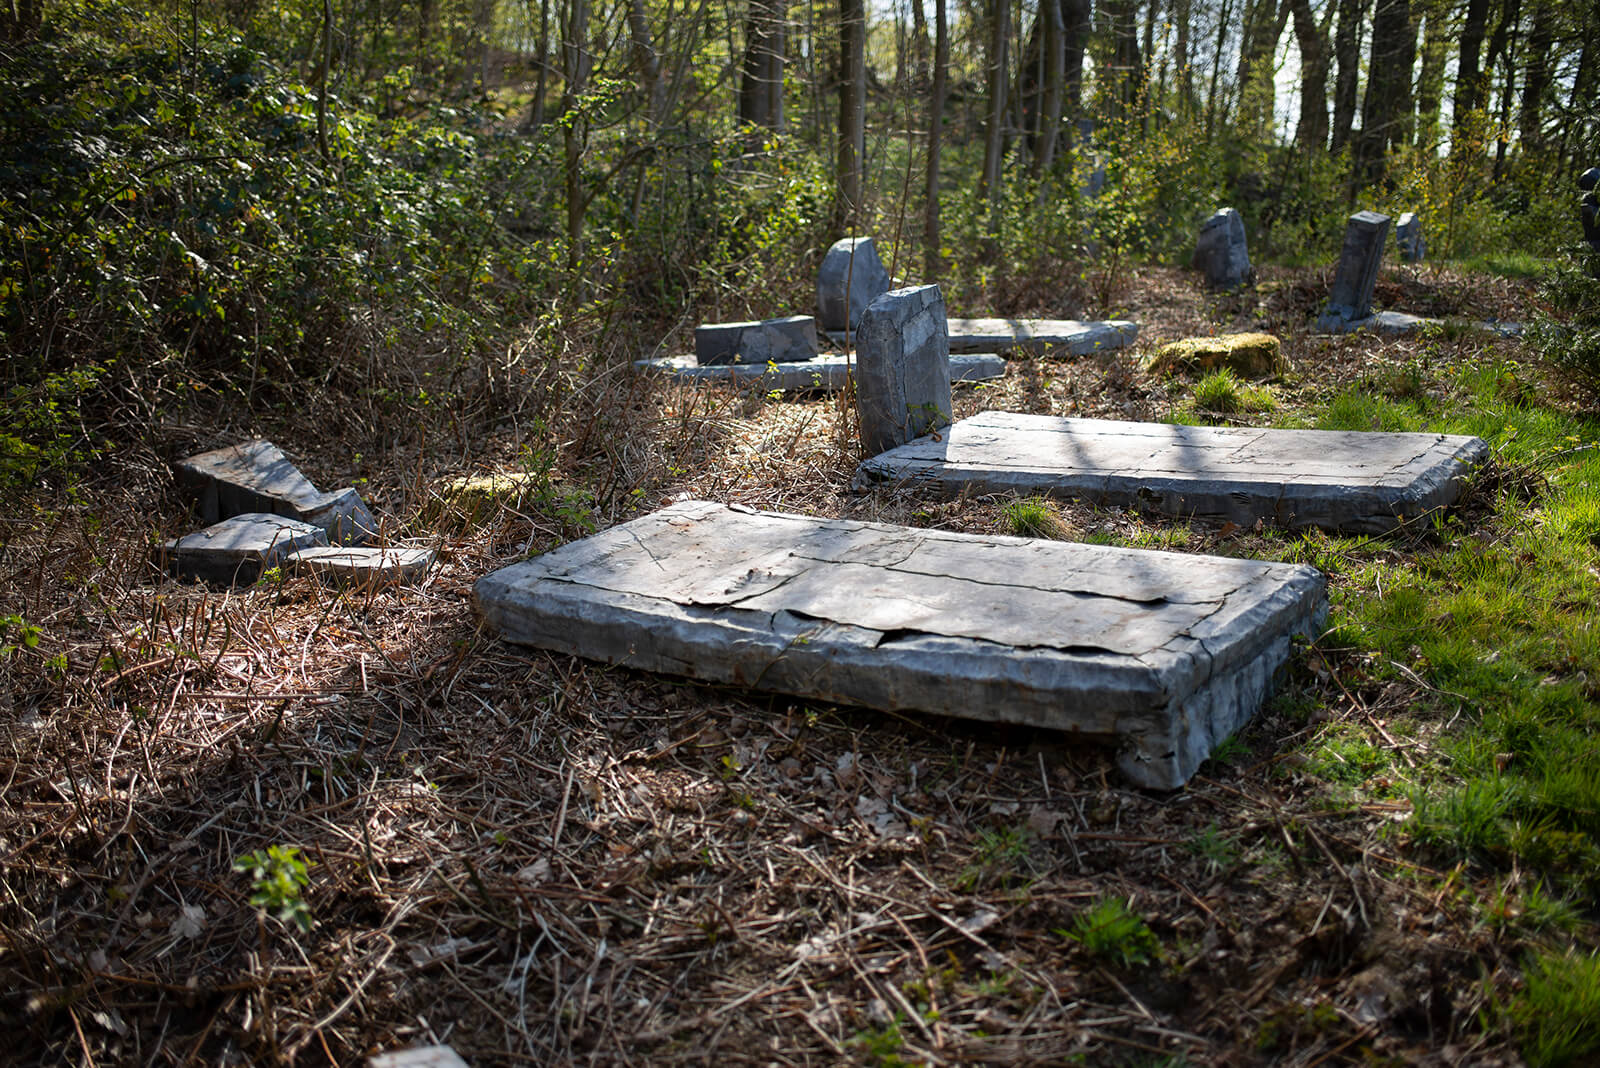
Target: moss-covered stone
x=1253 y=355
x=471 y=499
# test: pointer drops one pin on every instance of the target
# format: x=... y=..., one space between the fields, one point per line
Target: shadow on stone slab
x=1165 y=655
x=824 y=374
x=237 y=550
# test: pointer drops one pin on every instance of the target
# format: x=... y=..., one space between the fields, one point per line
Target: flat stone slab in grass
x=1054 y=337
x=235 y=551
x=825 y=373
x=1393 y=322
x=780 y=340
x=1363 y=482
x=256 y=476
x=1165 y=654
x=363 y=566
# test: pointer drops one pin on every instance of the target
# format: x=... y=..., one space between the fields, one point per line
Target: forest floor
x=537 y=859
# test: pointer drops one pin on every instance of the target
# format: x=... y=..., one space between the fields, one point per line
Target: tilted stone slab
x=1357 y=274
x=1165 y=654
x=824 y=374
x=784 y=340
x=1355 y=481
x=235 y=551
x=902 y=368
x=1046 y=337
x=363 y=566
x=851 y=277
x=256 y=476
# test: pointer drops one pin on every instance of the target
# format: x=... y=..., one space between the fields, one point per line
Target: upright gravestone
x=851 y=277
x=1359 y=260
x=1408 y=235
x=787 y=340
x=903 y=368
x=1589 y=207
x=1221 y=251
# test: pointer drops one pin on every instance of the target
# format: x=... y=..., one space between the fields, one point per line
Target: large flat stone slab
x=255 y=476
x=1354 y=481
x=825 y=373
x=363 y=566
x=1402 y=323
x=1049 y=337
x=1165 y=654
x=235 y=551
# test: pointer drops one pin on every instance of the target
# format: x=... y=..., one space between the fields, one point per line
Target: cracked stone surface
x=1363 y=482
x=825 y=373
x=235 y=551
x=363 y=566
x=256 y=476
x=1164 y=654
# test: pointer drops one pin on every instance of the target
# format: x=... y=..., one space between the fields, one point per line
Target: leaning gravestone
x=903 y=373
x=237 y=550
x=257 y=477
x=784 y=340
x=1357 y=274
x=1408 y=236
x=1221 y=251
x=851 y=277
x=1165 y=655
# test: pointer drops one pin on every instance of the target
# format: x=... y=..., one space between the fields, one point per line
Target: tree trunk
x=1126 y=66
x=1386 y=108
x=1055 y=69
x=1430 y=82
x=1469 y=76
x=1075 y=14
x=919 y=45
x=1180 y=15
x=994 y=134
x=579 y=62
x=852 y=111
x=648 y=63
x=1216 y=67
x=761 y=89
x=1347 y=54
x=1312 y=131
x=1264 y=23
x=1530 y=119
x=932 y=241
x=1502 y=45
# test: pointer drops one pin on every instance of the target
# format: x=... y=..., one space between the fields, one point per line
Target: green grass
x=1223 y=391
x=1113 y=933
x=1556 y=1017
x=1035 y=517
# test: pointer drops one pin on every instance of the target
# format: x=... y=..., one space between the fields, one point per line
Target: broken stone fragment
x=256 y=476
x=1357 y=274
x=851 y=277
x=363 y=566
x=1253 y=355
x=237 y=550
x=785 y=340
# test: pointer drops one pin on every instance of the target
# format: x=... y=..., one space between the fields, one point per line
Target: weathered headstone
x=235 y=551
x=1359 y=260
x=1361 y=482
x=255 y=476
x=1164 y=654
x=1221 y=251
x=1589 y=207
x=903 y=368
x=786 y=340
x=851 y=277
x=363 y=566
x=1408 y=236
x=824 y=373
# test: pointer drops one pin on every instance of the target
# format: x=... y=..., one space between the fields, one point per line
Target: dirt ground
x=542 y=860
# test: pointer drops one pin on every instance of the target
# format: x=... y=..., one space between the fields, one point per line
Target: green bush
x=1568 y=338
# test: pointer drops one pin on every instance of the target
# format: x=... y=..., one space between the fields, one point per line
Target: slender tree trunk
x=1127 y=67
x=852 y=111
x=1347 y=54
x=579 y=63
x=1386 y=108
x=1181 y=59
x=1075 y=15
x=1216 y=67
x=322 y=79
x=994 y=134
x=1502 y=45
x=1312 y=131
x=1536 y=86
x=761 y=90
x=919 y=44
x=1469 y=75
x=1153 y=13
x=932 y=240
x=1055 y=71
x=1430 y=82
x=648 y=63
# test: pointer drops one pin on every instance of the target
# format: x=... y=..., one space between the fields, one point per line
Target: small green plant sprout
x=1216 y=849
x=881 y=1045
x=1223 y=391
x=26 y=635
x=280 y=878
x=1556 y=1016
x=1035 y=517
x=1112 y=932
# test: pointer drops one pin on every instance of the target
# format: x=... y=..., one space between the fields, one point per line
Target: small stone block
x=1359 y=260
x=256 y=476
x=851 y=277
x=824 y=374
x=1164 y=654
x=1221 y=251
x=903 y=368
x=1408 y=236
x=1253 y=355
x=786 y=340
x=1051 y=337
x=235 y=551
x=363 y=566
x=1361 y=482
x=421 y=1057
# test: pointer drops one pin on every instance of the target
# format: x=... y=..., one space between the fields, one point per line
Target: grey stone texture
x=363 y=566
x=1222 y=253
x=1408 y=237
x=823 y=374
x=1163 y=654
x=785 y=340
x=1048 y=337
x=1357 y=274
x=1361 y=482
x=256 y=476
x=851 y=277
x=235 y=551
x=1401 y=323
x=419 y=1057
x=1589 y=179
x=902 y=368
